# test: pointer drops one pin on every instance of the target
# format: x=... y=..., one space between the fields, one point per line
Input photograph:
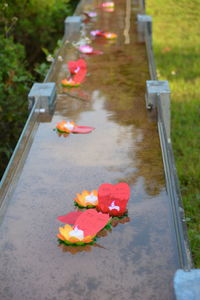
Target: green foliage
x=177 y=50
x=41 y=70
x=26 y=28
x=14 y=81
x=38 y=24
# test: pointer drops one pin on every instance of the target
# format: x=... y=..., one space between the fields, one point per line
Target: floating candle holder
x=73 y=236
x=86 y=199
x=85 y=229
x=106 y=35
x=71 y=127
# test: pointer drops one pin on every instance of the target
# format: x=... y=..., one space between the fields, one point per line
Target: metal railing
x=19 y=155
x=173 y=191
x=172 y=183
x=149 y=50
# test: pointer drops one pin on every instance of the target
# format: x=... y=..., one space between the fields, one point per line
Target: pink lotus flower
x=108 y=4
x=106 y=35
x=86 y=49
x=96 y=32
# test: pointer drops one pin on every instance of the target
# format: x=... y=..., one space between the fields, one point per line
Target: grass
x=176 y=42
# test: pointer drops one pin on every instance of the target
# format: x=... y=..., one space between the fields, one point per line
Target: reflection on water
x=118 y=77
x=116 y=221
x=76 y=249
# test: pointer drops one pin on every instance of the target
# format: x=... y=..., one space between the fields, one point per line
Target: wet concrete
x=137 y=259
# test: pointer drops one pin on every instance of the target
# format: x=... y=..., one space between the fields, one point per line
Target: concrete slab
x=187 y=284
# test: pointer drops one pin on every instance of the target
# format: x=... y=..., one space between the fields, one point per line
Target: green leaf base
x=68 y=243
x=86 y=207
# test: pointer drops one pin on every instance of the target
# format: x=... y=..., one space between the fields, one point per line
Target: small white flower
x=173 y=72
x=50 y=58
x=14 y=19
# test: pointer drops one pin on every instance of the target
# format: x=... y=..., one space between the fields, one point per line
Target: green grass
x=176 y=42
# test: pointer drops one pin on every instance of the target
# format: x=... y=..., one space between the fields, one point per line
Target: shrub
x=38 y=24
x=14 y=82
x=26 y=27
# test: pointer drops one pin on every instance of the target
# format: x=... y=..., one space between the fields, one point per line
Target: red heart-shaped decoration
x=91 y=222
x=113 y=199
x=75 y=66
x=80 y=76
x=78 y=69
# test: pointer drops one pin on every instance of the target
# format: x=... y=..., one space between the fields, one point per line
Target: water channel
x=138 y=258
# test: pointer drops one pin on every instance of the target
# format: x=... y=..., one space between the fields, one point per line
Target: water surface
x=137 y=259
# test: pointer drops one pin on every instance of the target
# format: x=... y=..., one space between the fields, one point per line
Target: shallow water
x=137 y=259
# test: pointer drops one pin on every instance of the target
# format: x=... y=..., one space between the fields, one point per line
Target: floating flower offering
x=79 y=70
x=77 y=66
x=71 y=127
x=73 y=236
x=107 y=35
x=110 y=35
x=96 y=32
x=113 y=199
x=108 y=4
x=87 y=225
x=86 y=49
x=66 y=126
x=86 y=199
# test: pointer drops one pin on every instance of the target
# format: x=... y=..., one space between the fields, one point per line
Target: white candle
x=113 y=206
x=78 y=233
x=69 y=126
x=91 y=198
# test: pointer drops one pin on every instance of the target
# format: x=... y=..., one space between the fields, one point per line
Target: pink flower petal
x=70 y=218
x=83 y=129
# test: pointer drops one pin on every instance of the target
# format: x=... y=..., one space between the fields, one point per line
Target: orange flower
x=73 y=235
x=66 y=127
x=87 y=199
x=110 y=35
x=69 y=83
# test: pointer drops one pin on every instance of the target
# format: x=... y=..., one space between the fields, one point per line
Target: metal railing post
x=155 y=88
x=46 y=92
x=72 y=25
x=142 y=22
